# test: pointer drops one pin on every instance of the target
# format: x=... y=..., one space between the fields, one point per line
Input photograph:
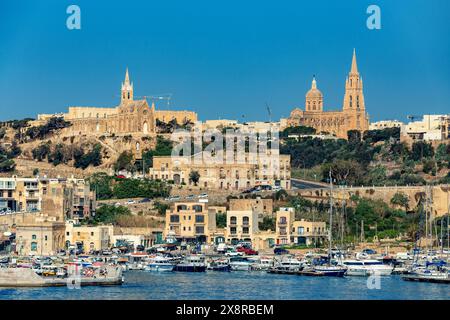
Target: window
x=199 y=230
x=301 y=230
x=245 y=221
x=199 y=219
x=245 y=230
x=197 y=208
x=33 y=237
x=34 y=246
x=175 y=218
x=67 y=233
x=45 y=238
x=233 y=220
x=92 y=234
x=233 y=230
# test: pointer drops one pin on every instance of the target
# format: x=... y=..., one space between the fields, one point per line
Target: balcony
x=282 y=222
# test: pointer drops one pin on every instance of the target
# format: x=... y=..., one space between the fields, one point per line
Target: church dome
x=314 y=93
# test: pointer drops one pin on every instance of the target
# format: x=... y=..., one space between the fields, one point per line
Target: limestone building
x=352 y=117
x=129 y=117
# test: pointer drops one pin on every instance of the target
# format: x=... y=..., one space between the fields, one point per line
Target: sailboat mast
x=331 y=218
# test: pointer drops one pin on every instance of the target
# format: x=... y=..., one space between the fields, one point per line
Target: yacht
x=367 y=267
x=159 y=264
x=264 y=263
x=291 y=265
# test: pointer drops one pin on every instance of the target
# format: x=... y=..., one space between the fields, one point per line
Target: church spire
x=354 y=68
x=127 y=89
x=127 y=77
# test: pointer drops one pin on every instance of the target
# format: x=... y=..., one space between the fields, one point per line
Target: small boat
x=264 y=264
x=356 y=268
x=159 y=264
x=438 y=276
x=241 y=264
x=191 y=264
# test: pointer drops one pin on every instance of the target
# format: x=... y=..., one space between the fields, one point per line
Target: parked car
x=190 y=197
x=280 y=250
x=131 y=202
x=145 y=200
x=247 y=251
x=203 y=195
x=174 y=198
x=120 y=176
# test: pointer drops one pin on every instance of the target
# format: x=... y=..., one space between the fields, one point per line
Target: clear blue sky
x=224 y=59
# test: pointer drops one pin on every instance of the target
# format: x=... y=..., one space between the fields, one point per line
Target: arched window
x=351 y=101
x=357 y=102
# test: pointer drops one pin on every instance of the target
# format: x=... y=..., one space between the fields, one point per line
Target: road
x=302 y=184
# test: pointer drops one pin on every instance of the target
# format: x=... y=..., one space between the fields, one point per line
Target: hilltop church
x=129 y=117
x=352 y=117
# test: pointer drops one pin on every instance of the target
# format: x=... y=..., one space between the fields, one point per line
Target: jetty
x=27 y=277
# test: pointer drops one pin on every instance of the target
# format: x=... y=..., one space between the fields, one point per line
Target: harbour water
x=238 y=285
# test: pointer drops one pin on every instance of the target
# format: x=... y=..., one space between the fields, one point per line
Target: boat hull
x=189 y=268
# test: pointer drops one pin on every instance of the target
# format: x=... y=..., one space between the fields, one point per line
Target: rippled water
x=238 y=285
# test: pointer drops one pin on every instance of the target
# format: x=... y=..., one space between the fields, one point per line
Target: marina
x=238 y=285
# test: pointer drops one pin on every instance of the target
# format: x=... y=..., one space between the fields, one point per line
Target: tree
x=93 y=157
x=268 y=223
x=194 y=176
x=35 y=171
x=400 y=199
x=221 y=220
x=346 y=172
x=124 y=162
x=161 y=207
x=41 y=152
x=109 y=214
x=421 y=149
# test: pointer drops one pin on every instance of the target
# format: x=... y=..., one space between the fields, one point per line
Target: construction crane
x=412 y=117
x=269 y=111
x=154 y=98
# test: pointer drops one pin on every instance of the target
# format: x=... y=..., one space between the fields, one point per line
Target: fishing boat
x=219 y=265
x=159 y=264
x=191 y=263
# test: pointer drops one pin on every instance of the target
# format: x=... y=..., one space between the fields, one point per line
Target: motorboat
x=193 y=263
x=241 y=264
x=367 y=267
x=159 y=264
x=288 y=266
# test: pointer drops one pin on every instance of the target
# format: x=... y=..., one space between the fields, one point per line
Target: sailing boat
x=328 y=269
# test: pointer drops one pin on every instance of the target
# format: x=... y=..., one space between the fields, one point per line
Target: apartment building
x=430 y=128
x=242 y=225
x=284 y=220
x=263 y=207
x=63 y=198
x=190 y=221
x=302 y=232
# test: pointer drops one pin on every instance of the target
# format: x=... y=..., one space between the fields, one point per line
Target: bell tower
x=354 y=96
x=126 y=94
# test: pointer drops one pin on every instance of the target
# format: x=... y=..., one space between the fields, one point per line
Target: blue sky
x=224 y=59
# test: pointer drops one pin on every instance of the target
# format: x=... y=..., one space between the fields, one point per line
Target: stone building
x=242 y=225
x=263 y=207
x=40 y=237
x=227 y=176
x=131 y=116
x=88 y=237
x=352 y=117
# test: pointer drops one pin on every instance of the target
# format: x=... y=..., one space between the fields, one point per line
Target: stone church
x=131 y=116
x=352 y=117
